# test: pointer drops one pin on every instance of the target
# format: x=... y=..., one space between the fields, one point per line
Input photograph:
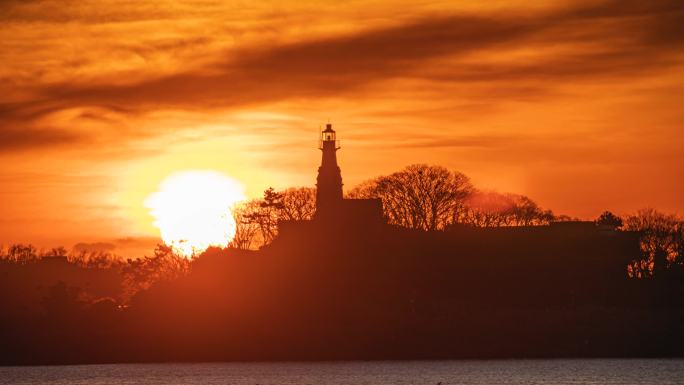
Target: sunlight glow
x=192 y=210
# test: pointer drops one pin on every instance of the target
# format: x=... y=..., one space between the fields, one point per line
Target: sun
x=193 y=210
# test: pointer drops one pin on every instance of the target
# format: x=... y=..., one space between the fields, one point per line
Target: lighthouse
x=329 y=181
x=335 y=215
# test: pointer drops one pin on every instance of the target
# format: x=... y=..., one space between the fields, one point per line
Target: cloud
x=480 y=141
x=613 y=39
x=18 y=138
x=85 y=11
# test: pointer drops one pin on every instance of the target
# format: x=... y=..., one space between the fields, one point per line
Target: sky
x=577 y=104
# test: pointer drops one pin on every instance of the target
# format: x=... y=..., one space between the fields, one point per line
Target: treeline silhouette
x=458 y=273
x=431 y=198
x=420 y=197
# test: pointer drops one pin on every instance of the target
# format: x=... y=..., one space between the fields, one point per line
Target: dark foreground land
x=375 y=294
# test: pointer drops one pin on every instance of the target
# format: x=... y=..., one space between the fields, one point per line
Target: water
x=580 y=371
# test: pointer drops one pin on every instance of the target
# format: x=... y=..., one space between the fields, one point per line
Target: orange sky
x=577 y=104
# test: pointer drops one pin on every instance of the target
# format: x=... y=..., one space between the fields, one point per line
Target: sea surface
x=562 y=371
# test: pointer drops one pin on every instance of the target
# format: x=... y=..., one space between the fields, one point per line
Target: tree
x=488 y=209
x=258 y=219
x=527 y=212
x=246 y=229
x=493 y=209
x=659 y=239
x=298 y=204
x=266 y=216
x=96 y=259
x=419 y=196
x=609 y=219
x=140 y=274
x=22 y=254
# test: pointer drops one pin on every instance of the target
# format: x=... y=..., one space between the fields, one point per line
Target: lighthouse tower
x=329 y=181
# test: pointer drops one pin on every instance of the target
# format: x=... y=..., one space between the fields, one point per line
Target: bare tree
x=493 y=209
x=266 y=217
x=527 y=212
x=660 y=240
x=298 y=204
x=257 y=220
x=488 y=209
x=97 y=259
x=246 y=229
x=22 y=254
x=419 y=196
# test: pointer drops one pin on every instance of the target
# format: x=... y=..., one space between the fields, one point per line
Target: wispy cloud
x=19 y=138
x=608 y=39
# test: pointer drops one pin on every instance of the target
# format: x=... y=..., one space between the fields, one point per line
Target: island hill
x=348 y=285
x=356 y=228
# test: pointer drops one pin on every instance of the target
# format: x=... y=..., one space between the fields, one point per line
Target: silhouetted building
x=331 y=205
x=329 y=181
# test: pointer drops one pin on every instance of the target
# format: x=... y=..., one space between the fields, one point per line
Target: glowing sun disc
x=192 y=210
